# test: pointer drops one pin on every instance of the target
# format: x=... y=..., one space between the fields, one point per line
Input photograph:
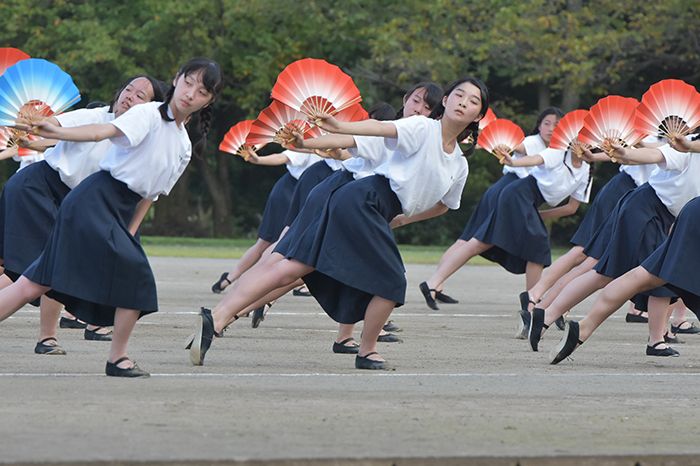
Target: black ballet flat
x=93 y=335
x=391 y=326
x=568 y=343
x=693 y=329
x=203 y=336
x=342 y=347
x=42 y=348
x=673 y=339
x=301 y=291
x=113 y=370
x=443 y=298
x=537 y=328
x=560 y=323
x=636 y=319
x=653 y=350
x=364 y=362
x=218 y=286
x=258 y=315
x=71 y=323
x=427 y=295
x=389 y=338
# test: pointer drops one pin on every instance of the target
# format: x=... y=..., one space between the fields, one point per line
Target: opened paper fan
x=315 y=86
x=9 y=56
x=483 y=123
x=501 y=133
x=276 y=123
x=352 y=113
x=611 y=121
x=670 y=108
x=234 y=141
x=36 y=82
x=10 y=138
x=565 y=135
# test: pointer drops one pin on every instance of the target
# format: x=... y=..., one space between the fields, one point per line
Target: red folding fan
x=565 y=135
x=315 y=86
x=500 y=133
x=670 y=108
x=610 y=121
x=235 y=140
x=483 y=123
x=352 y=113
x=277 y=123
x=9 y=56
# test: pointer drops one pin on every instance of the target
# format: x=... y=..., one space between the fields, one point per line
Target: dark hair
x=96 y=104
x=157 y=85
x=473 y=128
x=545 y=113
x=432 y=97
x=213 y=81
x=382 y=111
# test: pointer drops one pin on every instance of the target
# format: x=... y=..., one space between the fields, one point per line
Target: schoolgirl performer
x=351 y=262
x=92 y=263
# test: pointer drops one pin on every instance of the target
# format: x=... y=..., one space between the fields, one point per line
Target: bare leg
x=344 y=332
x=455 y=257
x=578 y=290
x=554 y=272
x=124 y=322
x=533 y=273
x=614 y=296
x=50 y=312
x=268 y=298
x=17 y=295
x=659 y=311
x=584 y=267
x=254 y=285
x=4 y=281
x=679 y=313
x=378 y=311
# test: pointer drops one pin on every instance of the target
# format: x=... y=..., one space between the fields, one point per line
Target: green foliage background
x=531 y=54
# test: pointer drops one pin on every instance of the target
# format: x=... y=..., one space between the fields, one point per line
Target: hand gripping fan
x=9 y=138
x=565 y=135
x=483 y=123
x=234 y=141
x=315 y=86
x=38 y=82
x=276 y=123
x=670 y=108
x=610 y=121
x=9 y=56
x=500 y=133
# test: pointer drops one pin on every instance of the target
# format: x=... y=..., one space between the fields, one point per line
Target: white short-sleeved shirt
x=374 y=153
x=75 y=161
x=533 y=145
x=677 y=180
x=558 y=179
x=639 y=173
x=153 y=153
x=419 y=171
x=298 y=162
x=334 y=164
x=26 y=160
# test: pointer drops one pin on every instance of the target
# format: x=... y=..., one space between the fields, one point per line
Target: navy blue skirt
x=677 y=259
x=486 y=205
x=515 y=229
x=307 y=181
x=601 y=207
x=352 y=249
x=91 y=262
x=276 y=208
x=641 y=225
x=30 y=200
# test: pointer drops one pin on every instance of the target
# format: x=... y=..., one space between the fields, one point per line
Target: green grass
x=234 y=248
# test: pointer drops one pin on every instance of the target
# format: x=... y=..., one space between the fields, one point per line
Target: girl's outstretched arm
x=569 y=208
x=329 y=141
x=9 y=153
x=84 y=133
x=527 y=161
x=139 y=214
x=435 y=211
x=630 y=156
x=684 y=145
x=384 y=129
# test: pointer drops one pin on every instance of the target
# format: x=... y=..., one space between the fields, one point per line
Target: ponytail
x=205 y=117
x=163 y=108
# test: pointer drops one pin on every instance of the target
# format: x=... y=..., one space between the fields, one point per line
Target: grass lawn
x=234 y=249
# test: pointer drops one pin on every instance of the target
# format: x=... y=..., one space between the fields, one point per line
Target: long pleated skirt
x=307 y=181
x=91 y=262
x=276 y=208
x=352 y=249
x=486 y=205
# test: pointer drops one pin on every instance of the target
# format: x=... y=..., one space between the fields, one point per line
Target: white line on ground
x=664 y=375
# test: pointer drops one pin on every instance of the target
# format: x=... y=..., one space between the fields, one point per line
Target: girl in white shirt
x=532 y=145
x=351 y=262
x=640 y=224
x=92 y=263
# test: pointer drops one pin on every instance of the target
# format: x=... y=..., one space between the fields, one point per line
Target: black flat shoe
x=673 y=339
x=524 y=324
x=568 y=343
x=342 y=347
x=71 y=323
x=693 y=329
x=95 y=336
x=364 y=362
x=560 y=323
x=537 y=328
x=653 y=350
x=258 y=315
x=203 y=336
x=391 y=326
x=42 y=348
x=302 y=291
x=636 y=319
x=113 y=370
x=427 y=295
x=389 y=338
x=443 y=298
x=218 y=286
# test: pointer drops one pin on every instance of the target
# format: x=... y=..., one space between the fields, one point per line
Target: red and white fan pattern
x=670 y=108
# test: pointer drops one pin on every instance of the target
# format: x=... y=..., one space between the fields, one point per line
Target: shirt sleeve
x=136 y=123
x=552 y=157
x=371 y=148
x=80 y=117
x=412 y=133
x=296 y=158
x=532 y=145
x=453 y=198
x=674 y=160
